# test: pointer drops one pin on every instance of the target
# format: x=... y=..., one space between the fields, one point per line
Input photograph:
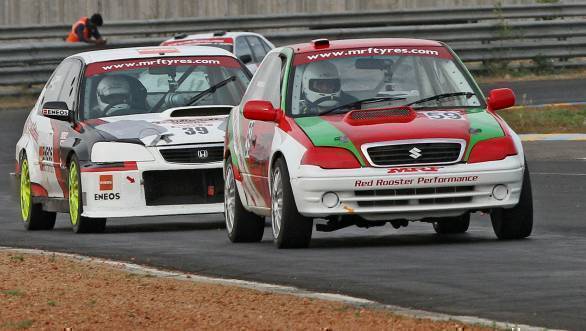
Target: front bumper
x=152 y=189
x=383 y=194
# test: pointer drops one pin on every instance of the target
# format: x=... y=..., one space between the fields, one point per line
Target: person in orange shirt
x=85 y=29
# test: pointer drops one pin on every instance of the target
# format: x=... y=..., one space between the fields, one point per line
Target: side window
x=71 y=82
x=265 y=84
x=241 y=48
x=265 y=45
x=53 y=88
x=257 y=48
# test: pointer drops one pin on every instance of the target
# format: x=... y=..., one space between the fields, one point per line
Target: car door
x=59 y=88
x=256 y=137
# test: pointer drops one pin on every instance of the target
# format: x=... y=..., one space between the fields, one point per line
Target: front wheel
x=516 y=222
x=33 y=215
x=290 y=228
x=242 y=225
x=80 y=224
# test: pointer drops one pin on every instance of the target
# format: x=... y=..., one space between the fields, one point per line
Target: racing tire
x=290 y=228
x=80 y=224
x=516 y=222
x=241 y=225
x=452 y=225
x=33 y=215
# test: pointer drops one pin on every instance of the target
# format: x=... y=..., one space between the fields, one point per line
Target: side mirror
x=501 y=98
x=57 y=110
x=246 y=58
x=260 y=110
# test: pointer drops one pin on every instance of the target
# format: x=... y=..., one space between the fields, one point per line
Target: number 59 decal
x=443 y=115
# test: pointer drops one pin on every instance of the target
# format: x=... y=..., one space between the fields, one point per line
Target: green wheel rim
x=25 y=191
x=73 y=193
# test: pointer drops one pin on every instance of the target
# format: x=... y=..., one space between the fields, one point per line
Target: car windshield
x=338 y=81
x=140 y=86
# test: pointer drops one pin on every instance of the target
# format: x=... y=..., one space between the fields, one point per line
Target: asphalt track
x=538 y=281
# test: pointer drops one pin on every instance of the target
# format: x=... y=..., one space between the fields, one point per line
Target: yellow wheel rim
x=25 y=191
x=73 y=193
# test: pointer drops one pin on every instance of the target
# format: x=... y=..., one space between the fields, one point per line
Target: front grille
x=403 y=197
x=418 y=153
x=179 y=187
x=203 y=154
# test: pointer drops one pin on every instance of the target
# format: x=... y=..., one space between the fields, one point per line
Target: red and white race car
x=365 y=132
x=128 y=132
x=249 y=47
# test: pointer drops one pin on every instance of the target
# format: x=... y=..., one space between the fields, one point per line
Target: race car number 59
x=443 y=115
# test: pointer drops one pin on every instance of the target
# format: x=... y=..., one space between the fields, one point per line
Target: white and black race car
x=249 y=47
x=128 y=132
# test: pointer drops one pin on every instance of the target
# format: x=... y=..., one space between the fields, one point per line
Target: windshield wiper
x=360 y=102
x=210 y=90
x=442 y=96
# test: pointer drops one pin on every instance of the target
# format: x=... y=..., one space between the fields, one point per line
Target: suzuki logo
x=415 y=152
x=202 y=154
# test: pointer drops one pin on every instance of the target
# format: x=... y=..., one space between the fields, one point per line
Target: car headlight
x=104 y=152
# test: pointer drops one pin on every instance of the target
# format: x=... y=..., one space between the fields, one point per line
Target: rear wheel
x=516 y=222
x=451 y=225
x=290 y=228
x=33 y=215
x=80 y=224
x=242 y=225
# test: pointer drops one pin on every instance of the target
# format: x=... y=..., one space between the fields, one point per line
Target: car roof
x=359 y=43
x=228 y=34
x=150 y=52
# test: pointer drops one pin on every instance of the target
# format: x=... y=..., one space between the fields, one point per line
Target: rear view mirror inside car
x=171 y=71
x=372 y=63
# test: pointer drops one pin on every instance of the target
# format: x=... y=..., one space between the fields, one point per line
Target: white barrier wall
x=27 y=12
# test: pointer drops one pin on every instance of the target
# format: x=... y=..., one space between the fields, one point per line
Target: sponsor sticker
x=55 y=112
x=106 y=196
x=206 y=41
x=125 y=65
x=46 y=158
x=106 y=183
x=303 y=58
x=412 y=170
x=414 y=181
x=146 y=51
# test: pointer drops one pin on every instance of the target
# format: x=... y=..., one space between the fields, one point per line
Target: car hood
x=162 y=129
x=470 y=125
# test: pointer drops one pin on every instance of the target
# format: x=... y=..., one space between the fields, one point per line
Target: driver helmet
x=114 y=94
x=321 y=81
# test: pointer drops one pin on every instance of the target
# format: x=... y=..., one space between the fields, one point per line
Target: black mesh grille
x=414 y=191
x=178 y=187
x=371 y=114
x=193 y=154
x=422 y=153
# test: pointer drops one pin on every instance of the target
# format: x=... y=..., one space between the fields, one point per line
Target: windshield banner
x=125 y=65
x=308 y=57
x=206 y=41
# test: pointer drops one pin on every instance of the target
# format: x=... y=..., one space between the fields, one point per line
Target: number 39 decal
x=195 y=130
x=443 y=115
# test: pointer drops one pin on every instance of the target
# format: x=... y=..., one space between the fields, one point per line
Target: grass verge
x=551 y=119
